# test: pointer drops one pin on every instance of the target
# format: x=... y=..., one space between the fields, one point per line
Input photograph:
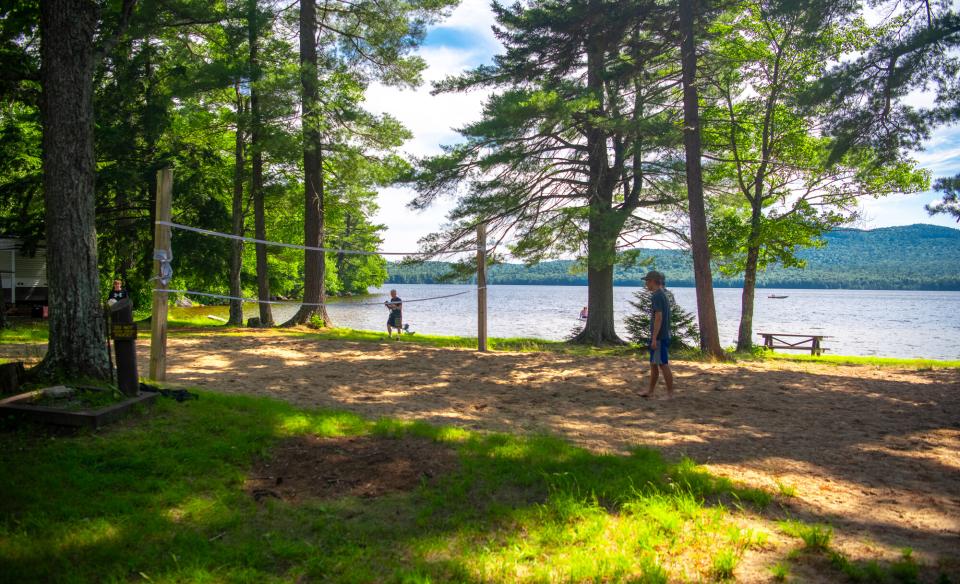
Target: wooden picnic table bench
x=810 y=343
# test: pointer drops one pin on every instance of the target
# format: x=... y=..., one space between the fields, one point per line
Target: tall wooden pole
x=482 y=287
x=161 y=248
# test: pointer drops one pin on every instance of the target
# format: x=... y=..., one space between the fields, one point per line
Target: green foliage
x=175 y=91
x=950 y=205
x=867 y=96
x=777 y=190
x=683 y=325
x=578 y=148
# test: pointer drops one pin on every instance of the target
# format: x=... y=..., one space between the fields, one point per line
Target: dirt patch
x=310 y=467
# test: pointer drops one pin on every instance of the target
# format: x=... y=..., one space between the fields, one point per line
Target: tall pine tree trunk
x=703 y=276
x=76 y=345
x=314 y=268
x=236 y=248
x=604 y=228
x=604 y=222
x=256 y=162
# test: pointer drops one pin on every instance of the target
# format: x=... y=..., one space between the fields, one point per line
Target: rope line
x=303 y=247
x=294 y=303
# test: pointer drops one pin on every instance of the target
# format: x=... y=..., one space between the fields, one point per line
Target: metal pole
x=482 y=287
x=161 y=248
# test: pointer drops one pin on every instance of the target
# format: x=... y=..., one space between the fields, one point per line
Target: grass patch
x=780 y=571
x=85 y=398
x=24 y=332
x=816 y=537
x=919 y=364
x=161 y=497
x=786 y=490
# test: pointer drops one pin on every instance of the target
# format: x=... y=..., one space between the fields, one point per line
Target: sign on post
x=161 y=266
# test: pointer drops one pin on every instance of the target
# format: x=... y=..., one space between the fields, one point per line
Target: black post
x=124 y=334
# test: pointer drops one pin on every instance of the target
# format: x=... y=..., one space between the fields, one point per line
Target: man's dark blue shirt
x=659 y=302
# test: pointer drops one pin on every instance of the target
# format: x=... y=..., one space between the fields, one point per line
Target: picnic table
x=810 y=343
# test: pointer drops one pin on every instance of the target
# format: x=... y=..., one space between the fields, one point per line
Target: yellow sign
x=124 y=332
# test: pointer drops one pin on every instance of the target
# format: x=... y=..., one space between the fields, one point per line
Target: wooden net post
x=482 y=287
x=161 y=250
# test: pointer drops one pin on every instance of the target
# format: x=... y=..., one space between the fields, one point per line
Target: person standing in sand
x=395 y=320
x=659 y=333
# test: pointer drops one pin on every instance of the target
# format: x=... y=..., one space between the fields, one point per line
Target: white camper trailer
x=23 y=276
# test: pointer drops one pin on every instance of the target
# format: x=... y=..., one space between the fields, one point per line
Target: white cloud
x=474 y=16
x=433 y=119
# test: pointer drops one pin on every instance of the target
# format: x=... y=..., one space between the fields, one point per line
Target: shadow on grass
x=161 y=497
x=873 y=434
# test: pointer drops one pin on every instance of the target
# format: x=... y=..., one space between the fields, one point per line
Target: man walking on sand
x=659 y=333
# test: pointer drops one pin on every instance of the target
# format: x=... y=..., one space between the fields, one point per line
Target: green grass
x=780 y=571
x=160 y=497
x=786 y=490
x=816 y=540
x=868 y=361
x=24 y=332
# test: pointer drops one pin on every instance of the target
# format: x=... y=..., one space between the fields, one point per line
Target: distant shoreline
x=681 y=284
x=914 y=257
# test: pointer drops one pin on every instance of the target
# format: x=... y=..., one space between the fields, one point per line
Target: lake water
x=859 y=322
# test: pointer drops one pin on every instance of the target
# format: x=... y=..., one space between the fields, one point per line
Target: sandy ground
x=873 y=452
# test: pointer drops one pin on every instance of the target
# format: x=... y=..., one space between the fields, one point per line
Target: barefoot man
x=659 y=333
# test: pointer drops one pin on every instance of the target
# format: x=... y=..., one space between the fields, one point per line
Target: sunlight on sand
x=873 y=452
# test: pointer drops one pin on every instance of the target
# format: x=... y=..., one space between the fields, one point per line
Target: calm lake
x=859 y=322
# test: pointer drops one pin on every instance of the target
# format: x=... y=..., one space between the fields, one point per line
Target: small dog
x=406 y=329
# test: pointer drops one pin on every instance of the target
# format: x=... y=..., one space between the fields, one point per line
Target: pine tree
x=577 y=151
x=683 y=325
x=950 y=205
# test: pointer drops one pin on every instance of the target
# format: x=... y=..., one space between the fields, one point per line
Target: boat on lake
x=775 y=296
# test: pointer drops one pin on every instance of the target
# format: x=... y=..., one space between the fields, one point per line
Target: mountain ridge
x=910 y=257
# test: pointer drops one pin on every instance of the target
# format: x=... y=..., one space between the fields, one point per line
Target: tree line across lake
x=914 y=257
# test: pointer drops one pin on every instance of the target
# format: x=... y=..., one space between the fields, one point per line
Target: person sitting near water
x=118 y=293
x=584 y=313
x=395 y=320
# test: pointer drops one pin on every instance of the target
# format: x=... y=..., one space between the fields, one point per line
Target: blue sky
x=465 y=40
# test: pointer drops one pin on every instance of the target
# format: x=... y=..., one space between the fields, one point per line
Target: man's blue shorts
x=660 y=356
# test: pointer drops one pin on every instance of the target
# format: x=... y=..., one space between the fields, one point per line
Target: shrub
x=683 y=328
